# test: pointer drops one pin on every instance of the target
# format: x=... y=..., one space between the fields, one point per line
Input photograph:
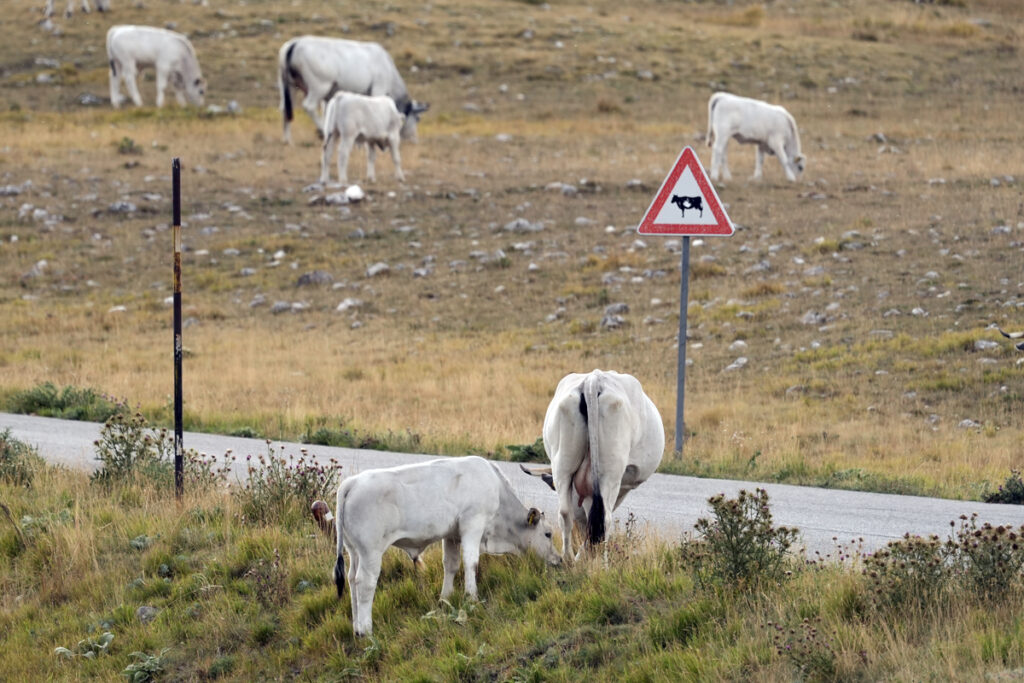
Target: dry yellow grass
x=464 y=357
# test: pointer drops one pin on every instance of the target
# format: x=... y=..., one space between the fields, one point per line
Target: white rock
x=355 y=193
x=379 y=268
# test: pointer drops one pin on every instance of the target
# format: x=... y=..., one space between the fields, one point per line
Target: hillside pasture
x=863 y=293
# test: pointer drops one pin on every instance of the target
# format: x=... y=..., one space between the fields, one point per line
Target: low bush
x=533 y=452
x=912 y=572
x=70 y=403
x=1011 y=491
x=739 y=547
x=276 y=484
x=18 y=460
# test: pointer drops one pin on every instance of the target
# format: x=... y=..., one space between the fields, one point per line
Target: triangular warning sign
x=687 y=203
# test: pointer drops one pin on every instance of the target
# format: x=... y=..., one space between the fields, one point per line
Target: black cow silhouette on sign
x=685 y=203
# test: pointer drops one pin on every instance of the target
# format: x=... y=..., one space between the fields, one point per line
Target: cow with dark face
x=685 y=203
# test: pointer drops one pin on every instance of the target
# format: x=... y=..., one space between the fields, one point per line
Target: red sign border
x=687 y=158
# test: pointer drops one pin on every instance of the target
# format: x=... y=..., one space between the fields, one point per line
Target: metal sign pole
x=179 y=456
x=684 y=295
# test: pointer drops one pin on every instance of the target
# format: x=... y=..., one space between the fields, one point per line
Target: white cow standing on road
x=101 y=5
x=321 y=67
x=458 y=501
x=753 y=122
x=352 y=119
x=130 y=48
x=604 y=437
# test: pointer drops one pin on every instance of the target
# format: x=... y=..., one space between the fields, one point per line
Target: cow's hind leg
x=471 y=557
x=364 y=586
x=115 y=90
x=344 y=149
x=371 y=162
x=719 y=163
x=450 y=560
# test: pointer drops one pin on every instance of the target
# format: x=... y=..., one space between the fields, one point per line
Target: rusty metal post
x=179 y=452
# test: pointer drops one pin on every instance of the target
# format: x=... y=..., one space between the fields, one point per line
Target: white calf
x=351 y=119
x=459 y=501
x=752 y=122
x=130 y=48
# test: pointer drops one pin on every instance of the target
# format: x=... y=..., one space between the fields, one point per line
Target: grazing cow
x=130 y=48
x=352 y=119
x=752 y=122
x=685 y=203
x=101 y=5
x=604 y=437
x=458 y=501
x=321 y=67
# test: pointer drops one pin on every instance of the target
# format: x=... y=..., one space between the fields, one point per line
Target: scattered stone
x=738 y=345
x=317 y=277
x=812 y=318
x=146 y=614
x=737 y=364
x=985 y=345
x=616 y=308
x=349 y=304
x=919 y=312
x=336 y=198
x=355 y=194
x=280 y=307
x=612 y=322
x=117 y=309
x=379 y=268
x=122 y=207
x=968 y=424
x=258 y=300
x=522 y=225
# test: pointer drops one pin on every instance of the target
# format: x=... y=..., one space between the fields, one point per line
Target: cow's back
x=146 y=44
x=420 y=503
x=349 y=65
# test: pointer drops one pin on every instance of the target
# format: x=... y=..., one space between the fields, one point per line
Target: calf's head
x=534 y=533
x=412 y=110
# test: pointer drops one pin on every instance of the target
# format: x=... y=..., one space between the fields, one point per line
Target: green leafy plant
x=145 y=667
x=127 y=449
x=739 y=547
x=89 y=648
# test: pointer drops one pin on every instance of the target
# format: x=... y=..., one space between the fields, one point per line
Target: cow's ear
x=533 y=517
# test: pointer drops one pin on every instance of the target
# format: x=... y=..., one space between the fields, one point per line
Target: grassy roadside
x=98 y=580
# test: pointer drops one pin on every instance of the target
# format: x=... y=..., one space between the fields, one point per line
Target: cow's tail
x=591 y=391
x=339 y=564
x=712 y=101
x=284 y=67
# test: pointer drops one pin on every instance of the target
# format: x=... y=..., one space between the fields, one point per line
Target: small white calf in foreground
x=130 y=48
x=351 y=119
x=101 y=5
x=459 y=501
x=604 y=437
x=752 y=122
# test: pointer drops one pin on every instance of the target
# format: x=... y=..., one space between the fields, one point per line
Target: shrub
x=18 y=460
x=70 y=403
x=276 y=483
x=990 y=559
x=1011 y=491
x=145 y=667
x=806 y=648
x=128 y=450
x=911 y=572
x=131 y=451
x=739 y=546
x=533 y=452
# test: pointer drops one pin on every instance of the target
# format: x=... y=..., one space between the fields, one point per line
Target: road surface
x=667 y=505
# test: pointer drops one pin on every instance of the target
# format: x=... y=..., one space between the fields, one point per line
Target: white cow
x=752 y=122
x=320 y=67
x=352 y=119
x=604 y=437
x=459 y=501
x=130 y=48
x=101 y=5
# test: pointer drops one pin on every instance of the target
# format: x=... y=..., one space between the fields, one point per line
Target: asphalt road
x=667 y=505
